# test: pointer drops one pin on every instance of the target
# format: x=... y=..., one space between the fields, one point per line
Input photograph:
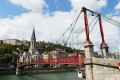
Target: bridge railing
x=62 y=60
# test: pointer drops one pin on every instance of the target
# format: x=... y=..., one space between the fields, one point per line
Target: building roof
x=33 y=35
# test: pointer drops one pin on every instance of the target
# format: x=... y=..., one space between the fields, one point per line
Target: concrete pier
x=18 y=71
x=104 y=48
x=88 y=54
x=88 y=50
x=102 y=69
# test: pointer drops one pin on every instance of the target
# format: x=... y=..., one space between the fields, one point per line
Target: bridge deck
x=65 y=60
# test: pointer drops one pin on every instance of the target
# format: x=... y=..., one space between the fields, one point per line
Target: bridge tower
x=88 y=47
x=88 y=44
x=104 y=47
x=92 y=68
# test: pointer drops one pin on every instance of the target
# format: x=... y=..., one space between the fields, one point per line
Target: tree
x=68 y=49
x=24 y=48
x=6 y=54
x=5 y=49
x=43 y=46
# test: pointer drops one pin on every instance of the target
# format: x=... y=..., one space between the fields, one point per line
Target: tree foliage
x=43 y=46
x=24 y=48
x=5 y=49
x=6 y=54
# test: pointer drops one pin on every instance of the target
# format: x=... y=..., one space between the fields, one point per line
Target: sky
x=51 y=18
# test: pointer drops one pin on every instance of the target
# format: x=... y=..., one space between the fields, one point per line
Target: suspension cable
x=74 y=39
x=89 y=33
x=69 y=27
x=114 y=22
x=119 y=35
x=83 y=30
x=73 y=27
x=93 y=26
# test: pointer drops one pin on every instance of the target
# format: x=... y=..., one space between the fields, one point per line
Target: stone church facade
x=33 y=53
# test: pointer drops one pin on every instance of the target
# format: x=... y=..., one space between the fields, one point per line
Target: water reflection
x=45 y=76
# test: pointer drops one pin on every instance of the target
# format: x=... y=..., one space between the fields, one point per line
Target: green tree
x=6 y=54
x=5 y=49
x=43 y=46
x=24 y=48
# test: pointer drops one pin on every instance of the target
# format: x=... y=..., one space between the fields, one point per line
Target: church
x=33 y=53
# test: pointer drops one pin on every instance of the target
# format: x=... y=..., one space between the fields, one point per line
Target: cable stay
x=118 y=36
x=89 y=33
x=69 y=27
x=93 y=26
x=82 y=31
x=73 y=27
x=114 y=22
x=73 y=39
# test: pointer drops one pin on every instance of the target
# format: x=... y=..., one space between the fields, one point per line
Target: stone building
x=12 y=41
x=33 y=53
x=26 y=43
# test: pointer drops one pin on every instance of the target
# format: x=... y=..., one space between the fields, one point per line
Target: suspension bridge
x=87 y=42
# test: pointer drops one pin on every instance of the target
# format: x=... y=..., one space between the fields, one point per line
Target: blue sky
x=17 y=18
x=7 y=9
x=58 y=5
x=110 y=6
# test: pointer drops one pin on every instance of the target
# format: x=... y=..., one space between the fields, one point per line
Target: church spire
x=33 y=40
x=33 y=35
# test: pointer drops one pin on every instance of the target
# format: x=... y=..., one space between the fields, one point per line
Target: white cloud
x=117 y=7
x=91 y=4
x=34 y=5
x=45 y=25
x=50 y=28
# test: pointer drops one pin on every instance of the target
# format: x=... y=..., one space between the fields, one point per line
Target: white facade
x=12 y=41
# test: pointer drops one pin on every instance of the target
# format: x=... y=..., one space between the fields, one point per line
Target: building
x=26 y=43
x=33 y=53
x=12 y=41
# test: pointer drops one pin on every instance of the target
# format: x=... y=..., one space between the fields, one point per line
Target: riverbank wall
x=7 y=71
x=36 y=70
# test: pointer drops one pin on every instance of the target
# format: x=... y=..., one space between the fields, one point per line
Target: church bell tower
x=33 y=40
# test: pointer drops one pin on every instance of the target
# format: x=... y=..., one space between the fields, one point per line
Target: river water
x=44 y=76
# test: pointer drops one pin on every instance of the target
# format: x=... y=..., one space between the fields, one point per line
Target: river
x=44 y=76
